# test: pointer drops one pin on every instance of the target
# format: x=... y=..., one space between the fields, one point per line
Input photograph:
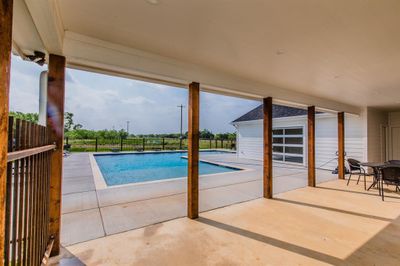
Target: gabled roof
x=277 y=112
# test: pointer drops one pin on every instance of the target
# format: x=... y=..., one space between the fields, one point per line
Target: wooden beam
x=341 y=169
x=55 y=125
x=193 y=151
x=267 y=167
x=311 y=145
x=6 y=12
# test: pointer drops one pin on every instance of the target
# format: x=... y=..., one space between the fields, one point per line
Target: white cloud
x=101 y=101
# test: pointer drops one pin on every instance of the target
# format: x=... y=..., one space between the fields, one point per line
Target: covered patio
x=331 y=224
x=336 y=57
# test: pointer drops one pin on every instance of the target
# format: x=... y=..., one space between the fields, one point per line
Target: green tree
x=229 y=136
x=123 y=134
x=206 y=134
x=31 y=117
x=77 y=126
x=68 y=121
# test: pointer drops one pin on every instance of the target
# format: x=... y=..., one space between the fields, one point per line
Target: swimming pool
x=119 y=169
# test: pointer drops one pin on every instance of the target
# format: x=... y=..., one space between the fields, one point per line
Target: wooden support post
x=97 y=143
x=341 y=169
x=163 y=143
x=144 y=144
x=193 y=150
x=6 y=12
x=55 y=125
x=267 y=166
x=311 y=146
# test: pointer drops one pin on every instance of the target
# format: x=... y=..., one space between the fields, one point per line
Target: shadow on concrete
x=358 y=192
x=272 y=241
x=382 y=249
x=65 y=258
x=369 y=216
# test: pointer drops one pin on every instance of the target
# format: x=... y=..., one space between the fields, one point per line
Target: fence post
x=122 y=143
x=163 y=144
x=96 y=145
x=6 y=12
x=144 y=143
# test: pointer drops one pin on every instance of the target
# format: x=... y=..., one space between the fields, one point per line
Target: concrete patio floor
x=88 y=213
x=332 y=224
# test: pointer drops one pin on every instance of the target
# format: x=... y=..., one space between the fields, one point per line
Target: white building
x=290 y=136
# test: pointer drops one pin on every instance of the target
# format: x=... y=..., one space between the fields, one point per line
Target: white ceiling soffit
x=93 y=54
x=332 y=54
x=46 y=16
x=26 y=39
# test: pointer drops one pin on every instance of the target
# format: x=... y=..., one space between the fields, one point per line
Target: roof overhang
x=45 y=25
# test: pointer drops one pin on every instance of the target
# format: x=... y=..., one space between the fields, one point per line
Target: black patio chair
x=390 y=176
x=356 y=168
x=394 y=162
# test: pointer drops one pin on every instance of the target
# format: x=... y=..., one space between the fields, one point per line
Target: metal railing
x=142 y=144
x=27 y=239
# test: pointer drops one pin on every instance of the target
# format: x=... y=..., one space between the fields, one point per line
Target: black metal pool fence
x=142 y=144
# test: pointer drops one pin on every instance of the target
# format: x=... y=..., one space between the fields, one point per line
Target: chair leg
x=383 y=197
x=358 y=180
x=365 y=182
x=348 y=181
x=378 y=183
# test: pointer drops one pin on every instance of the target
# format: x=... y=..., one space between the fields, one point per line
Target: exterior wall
x=376 y=122
x=326 y=140
x=250 y=142
x=394 y=118
x=393 y=149
x=250 y=139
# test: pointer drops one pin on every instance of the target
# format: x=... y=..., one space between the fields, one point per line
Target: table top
x=374 y=164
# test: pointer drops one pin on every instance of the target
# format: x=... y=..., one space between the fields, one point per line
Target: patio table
x=376 y=167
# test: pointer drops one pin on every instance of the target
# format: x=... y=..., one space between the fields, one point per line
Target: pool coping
x=100 y=183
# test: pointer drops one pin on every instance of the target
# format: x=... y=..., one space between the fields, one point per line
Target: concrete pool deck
x=331 y=224
x=89 y=213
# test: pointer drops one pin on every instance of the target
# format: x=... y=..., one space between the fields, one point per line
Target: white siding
x=251 y=142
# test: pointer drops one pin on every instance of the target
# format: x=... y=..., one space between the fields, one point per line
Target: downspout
x=43 y=98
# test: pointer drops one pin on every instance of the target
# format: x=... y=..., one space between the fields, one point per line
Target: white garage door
x=288 y=144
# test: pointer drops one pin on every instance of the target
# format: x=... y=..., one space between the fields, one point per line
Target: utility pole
x=180 y=142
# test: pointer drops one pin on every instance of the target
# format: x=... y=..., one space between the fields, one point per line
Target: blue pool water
x=121 y=169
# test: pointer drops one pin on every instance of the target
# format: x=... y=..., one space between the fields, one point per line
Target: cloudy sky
x=105 y=102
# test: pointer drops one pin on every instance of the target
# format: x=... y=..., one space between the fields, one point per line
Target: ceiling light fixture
x=37 y=57
x=153 y=2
